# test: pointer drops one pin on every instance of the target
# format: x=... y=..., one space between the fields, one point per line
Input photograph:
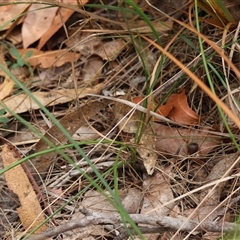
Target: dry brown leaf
x=25 y=135
x=37 y=22
x=174 y=140
x=220 y=168
x=181 y=112
x=49 y=58
x=163 y=110
x=62 y=16
x=132 y=201
x=92 y=70
x=97 y=202
x=129 y=124
x=83 y=42
x=9 y=13
x=157 y=192
x=201 y=213
x=126 y=123
x=22 y=102
x=72 y=122
x=110 y=50
x=85 y=133
x=88 y=44
x=7 y=86
x=30 y=212
x=130 y=198
x=206 y=212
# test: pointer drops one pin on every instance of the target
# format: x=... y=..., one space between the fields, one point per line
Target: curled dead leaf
x=176 y=109
x=181 y=112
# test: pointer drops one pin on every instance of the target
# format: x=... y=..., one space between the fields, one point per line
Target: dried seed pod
x=192 y=148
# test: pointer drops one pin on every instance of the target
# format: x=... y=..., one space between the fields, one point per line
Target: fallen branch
x=159 y=224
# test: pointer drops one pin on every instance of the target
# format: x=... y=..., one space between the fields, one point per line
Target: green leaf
x=20 y=62
x=4 y=119
x=28 y=54
x=14 y=52
x=15 y=65
x=2 y=111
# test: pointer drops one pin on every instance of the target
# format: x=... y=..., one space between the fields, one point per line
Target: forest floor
x=119 y=120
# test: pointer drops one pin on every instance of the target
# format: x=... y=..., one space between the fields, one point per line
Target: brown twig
x=156 y=224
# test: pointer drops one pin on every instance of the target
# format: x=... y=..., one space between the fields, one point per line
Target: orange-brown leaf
x=164 y=110
x=176 y=109
x=62 y=16
x=8 y=13
x=181 y=112
x=37 y=23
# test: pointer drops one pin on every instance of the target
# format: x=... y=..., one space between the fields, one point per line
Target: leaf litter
x=163 y=167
